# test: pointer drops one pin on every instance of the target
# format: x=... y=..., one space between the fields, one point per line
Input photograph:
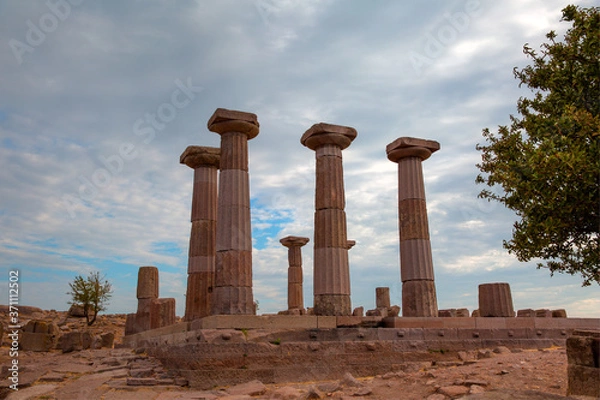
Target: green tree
x=92 y=294
x=547 y=162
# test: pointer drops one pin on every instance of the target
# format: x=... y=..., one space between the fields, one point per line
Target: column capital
x=223 y=121
x=323 y=133
x=411 y=147
x=292 y=241
x=351 y=243
x=200 y=156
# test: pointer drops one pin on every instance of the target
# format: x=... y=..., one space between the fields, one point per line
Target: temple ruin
x=221 y=340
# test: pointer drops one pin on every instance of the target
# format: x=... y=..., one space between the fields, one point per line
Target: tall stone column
x=201 y=259
x=232 y=293
x=295 y=280
x=416 y=265
x=331 y=271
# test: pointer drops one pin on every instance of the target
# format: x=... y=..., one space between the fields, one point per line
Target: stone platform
x=224 y=350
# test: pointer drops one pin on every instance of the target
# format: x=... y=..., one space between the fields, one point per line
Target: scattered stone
x=559 y=313
x=502 y=350
x=286 y=393
x=314 y=394
x=141 y=382
x=475 y=389
x=141 y=373
x=53 y=377
x=436 y=396
x=252 y=388
x=329 y=387
x=453 y=391
x=358 y=312
x=349 y=380
x=363 y=391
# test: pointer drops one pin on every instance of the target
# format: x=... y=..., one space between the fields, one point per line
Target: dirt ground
x=122 y=374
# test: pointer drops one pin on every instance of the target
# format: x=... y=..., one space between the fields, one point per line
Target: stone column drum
x=295 y=280
x=201 y=258
x=232 y=293
x=147 y=292
x=382 y=297
x=495 y=300
x=331 y=270
x=416 y=264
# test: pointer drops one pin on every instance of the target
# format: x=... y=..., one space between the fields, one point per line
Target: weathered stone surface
x=543 y=313
x=252 y=388
x=358 y=311
x=416 y=263
x=583 y=381
x=198 y=295
x=419 y=299
x=559 y=313
x=162 y=313
x=382 y=297
x=495 y=300
x=36 y=341
x=147 y=285
x=526 y=313
x=331 y=271
x=233 y=265
x=295 y=278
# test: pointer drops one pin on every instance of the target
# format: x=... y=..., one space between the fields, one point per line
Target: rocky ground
x=122 y=374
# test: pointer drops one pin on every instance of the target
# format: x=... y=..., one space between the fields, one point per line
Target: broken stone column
x=147 y=292
x=295 y=280
x=232 y=293
x=416 y=265
x=162 y=313
x=201 y=257
x=331 y=270
x=382 y=297
x=495 y=300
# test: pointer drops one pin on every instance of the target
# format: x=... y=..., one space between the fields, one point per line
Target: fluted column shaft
x=232 y=292
x=331 y=271
x=495 y=300
x=416 y=266
x=295 y=279
x=201 y=257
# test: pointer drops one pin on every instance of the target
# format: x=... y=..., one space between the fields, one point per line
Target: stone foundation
x=225 y=350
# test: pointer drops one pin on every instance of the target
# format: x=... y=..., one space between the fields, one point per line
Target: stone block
x=583 y=381
x=394 y=311
x=528 y=312
x=543 y=313
x=107 y=340
x=559 y=313
x=447 y=313
x=462 y=312
x=358 y=312
x=584 y=351
x=38 y=342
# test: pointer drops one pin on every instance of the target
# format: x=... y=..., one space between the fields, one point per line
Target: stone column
x=382 y=297
x=147 y=292
x=495 y=300
x=295 y=295
x=331 y=271
x=201 y=258
x=416 y=265
x=232 y=293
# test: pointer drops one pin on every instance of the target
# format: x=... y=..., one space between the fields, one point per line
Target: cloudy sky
x=99 y=99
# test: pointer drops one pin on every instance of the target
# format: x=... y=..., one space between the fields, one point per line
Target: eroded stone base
x=332 y=305
x=419 y=299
